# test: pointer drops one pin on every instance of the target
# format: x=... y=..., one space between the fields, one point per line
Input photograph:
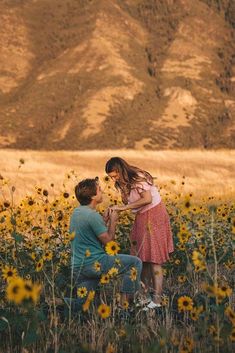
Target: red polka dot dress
x=151 y=236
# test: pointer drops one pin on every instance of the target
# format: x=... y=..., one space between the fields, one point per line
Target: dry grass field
x=207 y=173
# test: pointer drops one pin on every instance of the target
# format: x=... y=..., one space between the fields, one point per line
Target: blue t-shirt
x=87 y=225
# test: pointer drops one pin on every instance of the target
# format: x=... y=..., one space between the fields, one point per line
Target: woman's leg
x=146 y=276
x=157 y=278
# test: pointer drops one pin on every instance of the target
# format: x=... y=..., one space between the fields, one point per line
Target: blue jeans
x=89 y=277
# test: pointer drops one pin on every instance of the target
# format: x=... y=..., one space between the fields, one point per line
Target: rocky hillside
x=98 y=74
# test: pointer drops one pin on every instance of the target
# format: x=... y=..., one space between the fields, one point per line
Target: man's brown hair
x=85 y=190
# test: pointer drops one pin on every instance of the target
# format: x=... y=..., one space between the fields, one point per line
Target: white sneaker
x=151 y=305
x=142 y=302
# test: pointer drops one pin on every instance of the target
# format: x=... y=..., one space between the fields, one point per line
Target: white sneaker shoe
x=151 y=305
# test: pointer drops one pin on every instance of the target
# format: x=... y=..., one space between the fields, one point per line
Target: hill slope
x=85 y=74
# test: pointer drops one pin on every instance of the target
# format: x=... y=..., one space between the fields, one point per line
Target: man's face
x=99 y=194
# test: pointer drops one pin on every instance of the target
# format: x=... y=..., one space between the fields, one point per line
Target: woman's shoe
x=152 y=305
x=142 y=302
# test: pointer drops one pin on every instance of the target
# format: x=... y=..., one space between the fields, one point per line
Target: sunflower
x=15 y=290
x=198 y=235
x=185 y=303
x=202 y=249
x=97 y=266
x=121 y=332
x=39 y=265
x=112 y=248
x=81 y=292
x=183 y=236
x=182 y=278
x=104 y=311
x=125 y=304
x=187 y=204
x=187 y=345
x=48 y=255
x=104 y=279
x=8 y=273
x=194 y=314
x=165 y=300
x=33 y=256
x=225 y=290
x=181 y=247
x=113 y=272
x=32 y=291
x=133 y=274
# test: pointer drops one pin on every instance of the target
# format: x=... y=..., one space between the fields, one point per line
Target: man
x=89 y=258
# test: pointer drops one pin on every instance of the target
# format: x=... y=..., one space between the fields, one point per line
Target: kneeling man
x=89 y=259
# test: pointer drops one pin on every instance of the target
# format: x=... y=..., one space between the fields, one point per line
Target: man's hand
x=106 y=215
x=113 y=215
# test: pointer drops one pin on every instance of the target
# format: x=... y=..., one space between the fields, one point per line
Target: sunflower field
x=37 y=292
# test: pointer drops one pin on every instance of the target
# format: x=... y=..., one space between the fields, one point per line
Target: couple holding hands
x=151 y=237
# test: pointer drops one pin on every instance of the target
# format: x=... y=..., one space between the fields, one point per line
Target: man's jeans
x=89 y=277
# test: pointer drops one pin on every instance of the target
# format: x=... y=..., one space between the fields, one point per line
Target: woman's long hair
x=129 y=174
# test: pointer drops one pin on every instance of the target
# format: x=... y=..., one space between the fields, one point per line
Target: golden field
x=206 y=172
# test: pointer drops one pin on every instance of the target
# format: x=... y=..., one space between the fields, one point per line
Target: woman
x=151 y=237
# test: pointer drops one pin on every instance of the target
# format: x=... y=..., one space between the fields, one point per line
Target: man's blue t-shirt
x=87 y=225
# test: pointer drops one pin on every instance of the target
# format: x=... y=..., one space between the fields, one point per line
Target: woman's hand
x=118 y=208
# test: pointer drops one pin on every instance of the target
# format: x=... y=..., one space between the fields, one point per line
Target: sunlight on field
x=206 y=172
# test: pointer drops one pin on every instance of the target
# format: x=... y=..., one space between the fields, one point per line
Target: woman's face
x=114 y=175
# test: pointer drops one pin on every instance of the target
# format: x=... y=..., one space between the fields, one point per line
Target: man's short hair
x=85 y=190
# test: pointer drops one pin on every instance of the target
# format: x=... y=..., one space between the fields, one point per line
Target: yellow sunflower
x=8 y=273
x=125 y=304
x=225 y=290
x=15 y=290
x=81 y=292
x=181 y=278
x=112 y=248
x=48 y=255
x=97 y=266
x=32 y=291
x=113 y=272
x=104 y=279
x=133 y=274
x=104 y=311
x=185 y=303
x=39 y=265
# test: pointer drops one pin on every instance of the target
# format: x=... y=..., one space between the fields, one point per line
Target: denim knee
x=138 y=264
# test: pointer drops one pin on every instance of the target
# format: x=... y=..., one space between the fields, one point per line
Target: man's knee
x=137 y=263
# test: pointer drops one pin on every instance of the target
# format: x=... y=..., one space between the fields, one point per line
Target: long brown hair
x=129 y=174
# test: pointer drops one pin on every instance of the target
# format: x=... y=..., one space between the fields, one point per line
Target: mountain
x=107 y=74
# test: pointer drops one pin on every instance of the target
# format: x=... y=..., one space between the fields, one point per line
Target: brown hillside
x=99 y=74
